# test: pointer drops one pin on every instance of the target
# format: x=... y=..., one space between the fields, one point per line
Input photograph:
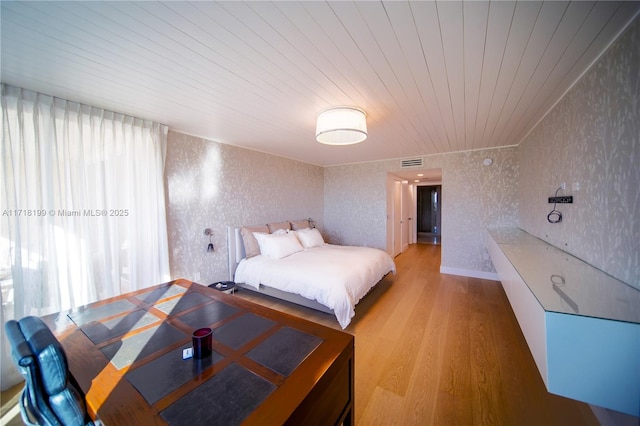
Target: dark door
x=429 y=209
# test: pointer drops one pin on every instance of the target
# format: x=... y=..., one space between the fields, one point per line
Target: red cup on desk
x=202 y=342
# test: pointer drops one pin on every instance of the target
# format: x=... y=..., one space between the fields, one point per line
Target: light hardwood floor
x=434 y=349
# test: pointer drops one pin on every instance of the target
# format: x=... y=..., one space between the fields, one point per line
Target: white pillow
x=310 y=238
x=277 y=246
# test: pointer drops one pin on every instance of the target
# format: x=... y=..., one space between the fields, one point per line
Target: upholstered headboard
x=235 y=242
x=235 y=246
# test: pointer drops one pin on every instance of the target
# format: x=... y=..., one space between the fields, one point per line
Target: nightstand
x=228 y=287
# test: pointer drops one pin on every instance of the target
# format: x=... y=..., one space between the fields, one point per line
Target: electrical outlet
x=567 y=199
x=196 y=277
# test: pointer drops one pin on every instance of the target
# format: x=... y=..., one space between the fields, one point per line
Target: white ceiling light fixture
x=341 y=126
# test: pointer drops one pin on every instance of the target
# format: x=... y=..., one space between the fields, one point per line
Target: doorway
x=399 y=214
x=402 y=208
x=429 y=214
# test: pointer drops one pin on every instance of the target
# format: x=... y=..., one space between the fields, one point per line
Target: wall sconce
x=209 y=233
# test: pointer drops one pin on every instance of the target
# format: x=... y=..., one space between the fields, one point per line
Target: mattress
x=337 y=277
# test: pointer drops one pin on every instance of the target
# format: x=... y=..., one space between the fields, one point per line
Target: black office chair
x=50 y=395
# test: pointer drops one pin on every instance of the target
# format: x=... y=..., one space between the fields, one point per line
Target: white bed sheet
x=335 y=276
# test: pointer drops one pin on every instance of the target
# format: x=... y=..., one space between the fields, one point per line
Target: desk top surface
x=126 y=354
x=565 y=284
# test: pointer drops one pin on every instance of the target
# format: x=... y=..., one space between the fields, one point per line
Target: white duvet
x=335 y=276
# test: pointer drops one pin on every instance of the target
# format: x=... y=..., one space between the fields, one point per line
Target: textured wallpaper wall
x=592 y=138
x=474 y=197
x=213 y=185
x=355 y=204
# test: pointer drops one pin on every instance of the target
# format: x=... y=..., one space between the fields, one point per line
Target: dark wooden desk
x=267 y=367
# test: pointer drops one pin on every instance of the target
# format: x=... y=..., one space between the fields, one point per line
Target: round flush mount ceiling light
x=487 y=161
x=341 y=126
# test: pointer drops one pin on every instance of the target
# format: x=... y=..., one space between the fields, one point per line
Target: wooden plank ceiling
x=432 y=77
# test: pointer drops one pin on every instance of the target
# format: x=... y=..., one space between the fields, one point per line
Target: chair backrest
x=50 y=396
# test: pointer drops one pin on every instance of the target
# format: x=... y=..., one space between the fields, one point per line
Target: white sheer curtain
x=82 y=206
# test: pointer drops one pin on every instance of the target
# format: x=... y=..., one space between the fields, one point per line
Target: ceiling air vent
x=414 y=162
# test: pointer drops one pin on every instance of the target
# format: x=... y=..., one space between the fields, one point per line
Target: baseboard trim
x=493 y=276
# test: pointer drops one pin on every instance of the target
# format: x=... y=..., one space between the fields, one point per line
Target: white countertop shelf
x=565 y=284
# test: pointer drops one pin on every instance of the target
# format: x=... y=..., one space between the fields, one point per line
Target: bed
x=325 y=277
